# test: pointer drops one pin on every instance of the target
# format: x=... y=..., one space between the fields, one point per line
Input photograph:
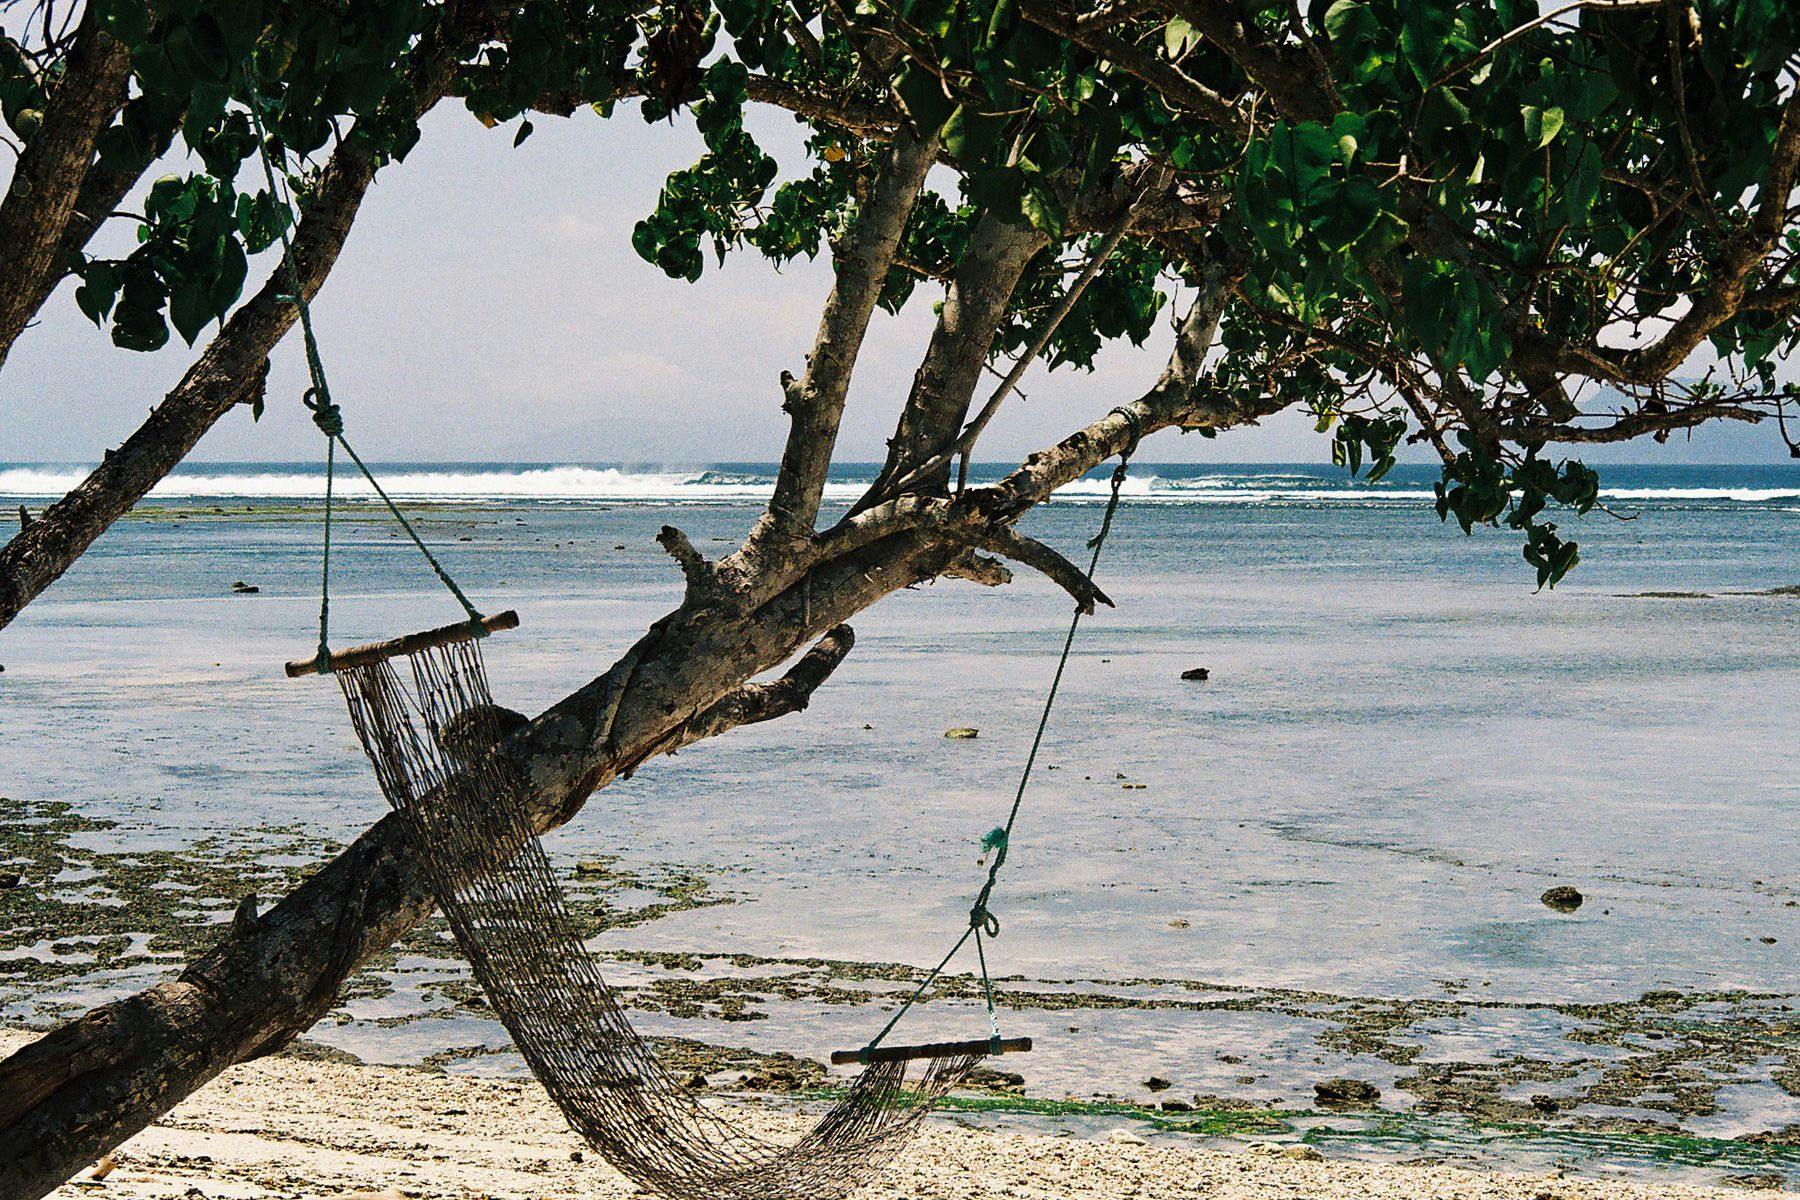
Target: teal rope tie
x=983 y=924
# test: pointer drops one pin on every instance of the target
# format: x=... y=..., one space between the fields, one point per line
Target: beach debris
x=1196 y=675
x=1157 y=1083
x=962 y=733
x=1124 y=1137
x=10 y=880
x=241 y=588
x=1563 y=898
x=106 y=1166
x=1346 y=1093
x=1180 y=923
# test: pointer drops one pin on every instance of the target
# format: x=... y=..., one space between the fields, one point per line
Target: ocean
x=1325 y=860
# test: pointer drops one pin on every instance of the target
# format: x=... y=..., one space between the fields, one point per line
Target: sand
x=296 y=1127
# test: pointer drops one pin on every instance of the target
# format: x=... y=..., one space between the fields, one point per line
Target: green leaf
x=1541 y=125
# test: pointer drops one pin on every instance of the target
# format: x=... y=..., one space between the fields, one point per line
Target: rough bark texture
x=47 y=179
x=998 y=253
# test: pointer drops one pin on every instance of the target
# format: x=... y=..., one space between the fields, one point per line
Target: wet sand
x=298 y=1127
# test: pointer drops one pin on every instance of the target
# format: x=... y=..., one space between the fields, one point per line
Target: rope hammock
x=438 y=744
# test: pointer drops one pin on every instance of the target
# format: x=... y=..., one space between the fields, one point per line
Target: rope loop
x=325 y=414
x=1137 y=434
x=982 y=918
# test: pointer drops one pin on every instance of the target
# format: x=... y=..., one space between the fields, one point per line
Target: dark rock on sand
x=1563 y=899
x=241 y=588
x=1197 y=675
x=1176 y=1106
x=1346 y=1092
x=1157 y=1083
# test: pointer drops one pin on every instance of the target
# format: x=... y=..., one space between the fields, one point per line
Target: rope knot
x=982 y=918
x=325 y=414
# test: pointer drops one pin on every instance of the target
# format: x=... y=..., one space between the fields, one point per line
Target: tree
x=1465 y=225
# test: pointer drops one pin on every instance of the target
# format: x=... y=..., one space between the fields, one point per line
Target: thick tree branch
x=974 y=305
x=1010 y=543
x=815 y=401
x=754 y=703
x=81 y=1090
x=47 y=179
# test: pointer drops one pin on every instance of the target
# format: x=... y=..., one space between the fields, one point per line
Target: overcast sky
x=489 y=307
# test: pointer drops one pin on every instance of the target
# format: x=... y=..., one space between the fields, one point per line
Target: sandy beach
x=302 y=1127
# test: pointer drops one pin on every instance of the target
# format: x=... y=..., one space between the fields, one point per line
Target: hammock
x=436 y=743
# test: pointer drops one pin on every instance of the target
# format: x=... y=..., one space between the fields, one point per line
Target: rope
x=982 y=922
x=328 y=416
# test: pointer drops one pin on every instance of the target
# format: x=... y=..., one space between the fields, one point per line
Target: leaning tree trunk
x=82 y=1089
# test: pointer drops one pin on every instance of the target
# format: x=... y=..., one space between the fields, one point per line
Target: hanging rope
x=327 y=415
x=983 y=924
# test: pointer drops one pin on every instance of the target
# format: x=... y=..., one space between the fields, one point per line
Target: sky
x=489 y=307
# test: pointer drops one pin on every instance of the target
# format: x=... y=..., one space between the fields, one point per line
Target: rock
x=1157 y=1083
x=106 y=1166
x=1767 y=941
x=1303 y=1152
x=1124 y=1137
x=1546 y=1104
x=1564 y=899
x=1346 y=1092
x=588 y=868
x=577 y=1156
x=1196 y=675
x=241 y=588
x=962 y=733
x=1177 y=1106
x=10 y=880
x=1180 y=923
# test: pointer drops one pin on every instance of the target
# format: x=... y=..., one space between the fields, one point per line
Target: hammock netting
x=437 y=745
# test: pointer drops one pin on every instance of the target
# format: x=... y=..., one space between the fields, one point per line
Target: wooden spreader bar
x=1018 y=1045
x=412 y=643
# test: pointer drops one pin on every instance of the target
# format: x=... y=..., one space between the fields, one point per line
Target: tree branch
x=1009 y=542
x=754 y=703
x=48 y=177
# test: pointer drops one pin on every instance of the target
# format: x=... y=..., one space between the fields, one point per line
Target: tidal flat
x=1322 y=862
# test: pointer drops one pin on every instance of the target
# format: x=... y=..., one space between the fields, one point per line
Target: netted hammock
x=437 y=745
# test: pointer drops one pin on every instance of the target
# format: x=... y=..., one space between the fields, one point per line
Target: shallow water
x=1332 y=867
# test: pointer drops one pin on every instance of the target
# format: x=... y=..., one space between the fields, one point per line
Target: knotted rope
x=983 y=924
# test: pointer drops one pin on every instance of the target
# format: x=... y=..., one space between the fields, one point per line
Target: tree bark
x=47 y=179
